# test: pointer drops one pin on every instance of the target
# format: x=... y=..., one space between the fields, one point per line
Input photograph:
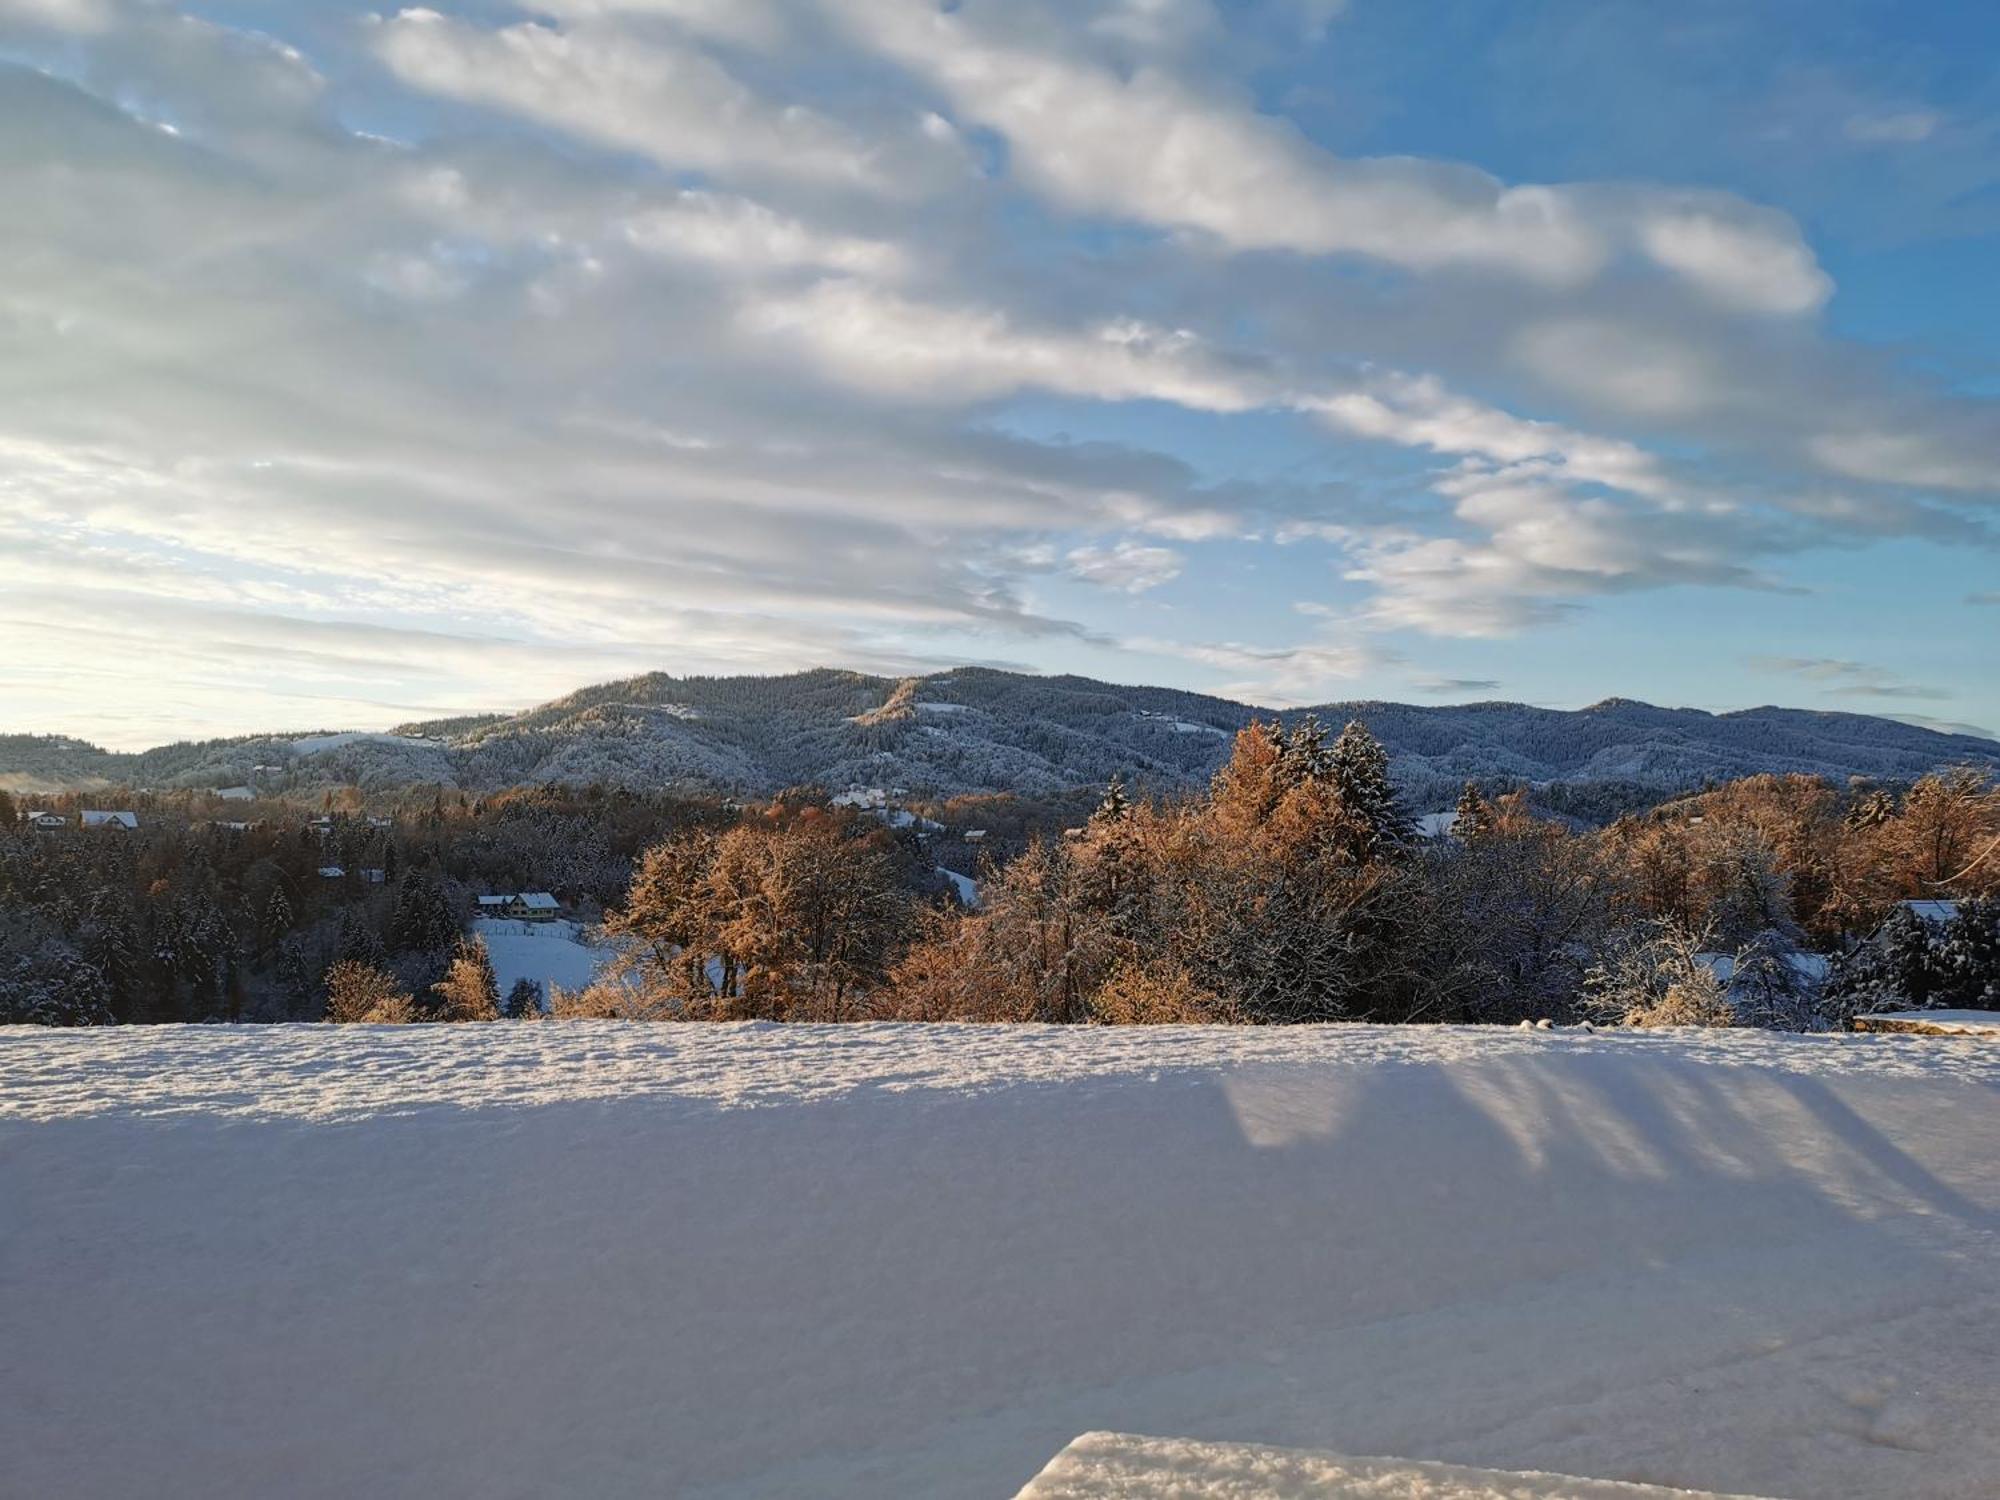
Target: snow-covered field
x=604 y=1259
x=546 y=952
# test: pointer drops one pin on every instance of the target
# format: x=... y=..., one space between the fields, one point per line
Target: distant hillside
x=975 y=730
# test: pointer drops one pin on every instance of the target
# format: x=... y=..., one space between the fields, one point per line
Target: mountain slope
x=978 y=730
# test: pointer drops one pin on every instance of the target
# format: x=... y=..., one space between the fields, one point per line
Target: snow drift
x=740 y=1261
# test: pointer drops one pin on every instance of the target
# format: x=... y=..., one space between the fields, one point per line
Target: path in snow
x=756 y=1261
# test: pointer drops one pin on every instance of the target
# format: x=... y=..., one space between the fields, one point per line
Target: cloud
x=730 y=336
x=1126 y=566
x=1848 y=678
x=1448 y=686
x=1901 y=128
x=1278 y=676
x=1749 y=258
x=1147 y=144
x=671 y=102
x=1927 y=459
x=920 y=351
x=1945 y=726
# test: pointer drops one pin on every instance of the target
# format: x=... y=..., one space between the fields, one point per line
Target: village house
x=521 y=906
x=97 y=819
x=47 y=822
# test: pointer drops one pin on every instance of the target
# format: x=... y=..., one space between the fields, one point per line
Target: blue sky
x=361 y=365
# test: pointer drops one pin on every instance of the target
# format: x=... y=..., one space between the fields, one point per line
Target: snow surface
x=1121 y=1466
x=546 y=952
x=760 y=1261
x=965 y=885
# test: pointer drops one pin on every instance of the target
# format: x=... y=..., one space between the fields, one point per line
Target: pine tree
x=277 y=916
x=359 y=942
x=1304 y=757
x=1116 y=806
x=1474 y=815
x=524 y=1000
x=1360 y=778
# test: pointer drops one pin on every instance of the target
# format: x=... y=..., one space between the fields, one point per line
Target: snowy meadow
x=759 y=1261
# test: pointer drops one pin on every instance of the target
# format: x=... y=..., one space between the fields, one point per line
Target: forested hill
x=977 y=730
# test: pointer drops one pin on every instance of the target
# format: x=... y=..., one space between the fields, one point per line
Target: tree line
x=1293 y=888
x=1296 y=889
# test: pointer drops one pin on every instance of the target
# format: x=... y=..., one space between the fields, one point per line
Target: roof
x=331 y=872
x=538 y=900
x=494 y=900
x=110 y=820
x=234 y=793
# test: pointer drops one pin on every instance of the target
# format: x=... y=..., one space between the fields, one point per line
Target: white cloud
x=1752 y=259
x=1127 y=566
x=746 y=236
x=1925 y=459
x=1848 y=678
x=1144 y=143
x=884 y=342
x=672 y=103
x=1280 y=676
x=1642 y=371
x=1897 y=128
x=83 y=17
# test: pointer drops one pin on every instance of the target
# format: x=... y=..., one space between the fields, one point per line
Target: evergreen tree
x=277 y=916
x=9 y=813
x=1359 y=773
x=1967 y=957
x=1116 y=805
x=359 y=942
x=1475 y=814
x=524 y=1000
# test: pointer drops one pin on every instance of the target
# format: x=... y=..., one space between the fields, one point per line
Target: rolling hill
x=979 y=730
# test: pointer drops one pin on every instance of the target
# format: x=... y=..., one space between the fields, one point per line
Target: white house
x=522 y=906
x=95 y=819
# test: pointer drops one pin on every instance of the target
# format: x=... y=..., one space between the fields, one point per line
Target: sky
x=359 y=366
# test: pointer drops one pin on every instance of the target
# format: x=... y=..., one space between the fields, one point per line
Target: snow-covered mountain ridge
x=979 y=730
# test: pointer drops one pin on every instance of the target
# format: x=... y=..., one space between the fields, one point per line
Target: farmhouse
x=521 y=906
x=95 y=819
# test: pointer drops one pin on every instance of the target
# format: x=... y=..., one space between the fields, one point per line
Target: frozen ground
x=711 y=1262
